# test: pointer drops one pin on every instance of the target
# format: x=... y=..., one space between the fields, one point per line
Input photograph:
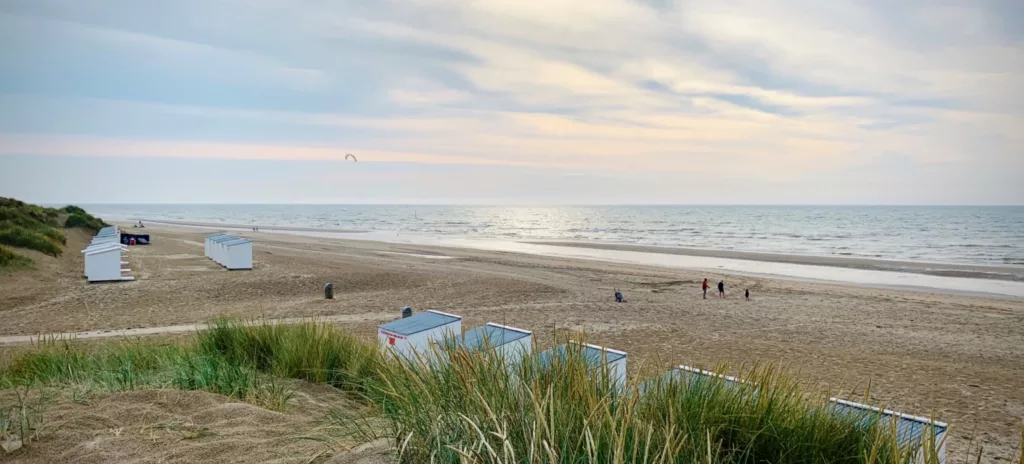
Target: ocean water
x=992 y=235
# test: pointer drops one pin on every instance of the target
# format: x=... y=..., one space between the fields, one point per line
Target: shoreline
x=944 y=270
x=969 y=271
x=216 y=225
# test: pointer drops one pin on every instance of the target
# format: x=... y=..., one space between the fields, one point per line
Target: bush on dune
x=23 y=225
x=83 y=221
x=21 y=237
x=9 y=258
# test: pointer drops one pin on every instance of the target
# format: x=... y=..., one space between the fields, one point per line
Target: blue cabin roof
x=106 y=233
x=237 y=241
x=490 y=335
x=223 y=238
x=211 y=237
x=910 y=430
x=108 y=229
x=688 y=375
x=419 y=322
x=593 y=355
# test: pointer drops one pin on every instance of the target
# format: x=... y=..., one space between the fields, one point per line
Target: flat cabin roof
x=593 y=355
x=223 y=238
x=108 y=229
x=237 y=241
x=491 y=335
x=105 y=245
x=96 y=251
x=909 y=429
x=217 y=235
x=106 y=234
x=417 y=323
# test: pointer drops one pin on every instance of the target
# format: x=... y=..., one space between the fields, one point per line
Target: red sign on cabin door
x=391 y=341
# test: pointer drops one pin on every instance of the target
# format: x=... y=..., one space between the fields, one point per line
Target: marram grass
x=454 y=405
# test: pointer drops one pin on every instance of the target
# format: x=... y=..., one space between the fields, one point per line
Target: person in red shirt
x=704 y=286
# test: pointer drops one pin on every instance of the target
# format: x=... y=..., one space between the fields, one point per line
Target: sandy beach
x=957 y=357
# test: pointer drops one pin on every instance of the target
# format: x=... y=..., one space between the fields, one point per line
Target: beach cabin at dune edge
x=509 y=343
x=411 y=336
x=104 y=258
x=595 y=356
x=232 y=252
x=912 y=431
x=690 y=377
x=916 y=432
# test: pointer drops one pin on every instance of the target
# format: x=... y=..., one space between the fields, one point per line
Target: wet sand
x=957 y=357
x=1010 y=273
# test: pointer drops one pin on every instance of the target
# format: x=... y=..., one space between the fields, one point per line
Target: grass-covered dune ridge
x=38 y=228
x=474 y=408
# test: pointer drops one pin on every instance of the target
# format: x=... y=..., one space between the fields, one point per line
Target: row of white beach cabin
x=411 y=337
x=918 y=433
x=104 y=257
x=234 y=253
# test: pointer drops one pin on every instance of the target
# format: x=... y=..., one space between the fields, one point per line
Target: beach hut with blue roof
x=411 y=335
x=595 y=357
x=217 y=248
x=509 y=343
x=208 y=243
x=911 y=431
x=238 y=254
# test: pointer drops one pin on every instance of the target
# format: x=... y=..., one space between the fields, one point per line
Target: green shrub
x=11 y=259
x=21 y=237
x=72 y=209
x=83 y=221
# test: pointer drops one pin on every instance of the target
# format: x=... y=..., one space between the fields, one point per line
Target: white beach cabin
x=217 y=250
x=509 y=343
x=917 y=432
x=103 y=263
x=595 y=356
x=238 y=254
x=411 y=335
x=208 y=243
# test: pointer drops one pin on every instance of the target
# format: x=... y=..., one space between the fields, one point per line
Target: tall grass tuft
x=213 y=374
x=314 y=351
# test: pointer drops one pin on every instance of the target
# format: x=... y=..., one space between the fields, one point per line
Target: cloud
x=769 y=91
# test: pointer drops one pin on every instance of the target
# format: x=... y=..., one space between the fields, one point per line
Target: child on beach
x=721 y=289
x=704 y=286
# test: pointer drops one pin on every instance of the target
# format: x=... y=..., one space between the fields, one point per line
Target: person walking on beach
x=721 y=289
x=747 y=294
x=704 y=286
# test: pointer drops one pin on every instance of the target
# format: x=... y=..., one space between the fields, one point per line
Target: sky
x=513 y=101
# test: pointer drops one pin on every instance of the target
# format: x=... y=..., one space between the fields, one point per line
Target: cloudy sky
x=513 y=101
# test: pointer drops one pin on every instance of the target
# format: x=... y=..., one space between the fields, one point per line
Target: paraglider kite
x=349 y=155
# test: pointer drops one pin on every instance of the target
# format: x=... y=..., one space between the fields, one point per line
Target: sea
x=977 y=235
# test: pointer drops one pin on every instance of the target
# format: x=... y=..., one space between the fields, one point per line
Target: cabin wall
x=515 y=351
x=103 y=266
x=617 y=373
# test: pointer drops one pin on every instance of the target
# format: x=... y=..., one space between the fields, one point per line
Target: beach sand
x=957 y=357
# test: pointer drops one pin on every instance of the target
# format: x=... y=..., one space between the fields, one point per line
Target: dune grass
x=474 y=407
x=21 y=237
x=127 y=365
x=33 y=227
x=10 y=259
